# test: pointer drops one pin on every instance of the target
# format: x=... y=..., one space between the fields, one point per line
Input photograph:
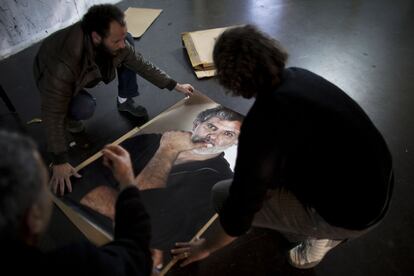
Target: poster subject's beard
x=211 y=147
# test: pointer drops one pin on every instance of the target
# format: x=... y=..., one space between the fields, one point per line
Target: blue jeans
x=127 y=79
x=82 y=106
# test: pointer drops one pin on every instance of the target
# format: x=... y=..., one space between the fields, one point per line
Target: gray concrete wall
x=25 y=22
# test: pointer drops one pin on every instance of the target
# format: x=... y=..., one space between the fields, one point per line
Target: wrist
x=172 y=84
x=60 y=158
x=168 y=151
x=59 y=165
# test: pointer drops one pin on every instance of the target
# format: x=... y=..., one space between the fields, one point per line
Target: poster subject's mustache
x=199 y=139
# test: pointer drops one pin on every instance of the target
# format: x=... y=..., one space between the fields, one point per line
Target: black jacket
x=128 y=254
x=309 y=137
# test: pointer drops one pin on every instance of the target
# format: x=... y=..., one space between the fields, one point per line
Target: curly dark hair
x=248 y=61
x=99 y=17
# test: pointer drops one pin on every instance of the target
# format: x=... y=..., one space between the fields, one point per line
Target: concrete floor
x=364 y=47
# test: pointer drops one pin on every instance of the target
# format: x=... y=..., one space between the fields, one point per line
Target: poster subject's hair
x=221 y=112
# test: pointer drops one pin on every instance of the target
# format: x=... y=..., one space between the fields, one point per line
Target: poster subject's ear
x=196 y=123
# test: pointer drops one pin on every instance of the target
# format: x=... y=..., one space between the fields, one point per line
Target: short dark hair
x=248 y=61
x=21 y=181
x=221 y=112
x=99 y=17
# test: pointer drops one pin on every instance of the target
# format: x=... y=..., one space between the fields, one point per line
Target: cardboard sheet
x=200 y=45
x=138 y=20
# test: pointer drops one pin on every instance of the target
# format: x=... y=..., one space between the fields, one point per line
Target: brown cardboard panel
x=138 y=20
x=200 y=45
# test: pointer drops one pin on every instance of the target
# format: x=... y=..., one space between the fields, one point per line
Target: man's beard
x=212 y=149
x=102 y=50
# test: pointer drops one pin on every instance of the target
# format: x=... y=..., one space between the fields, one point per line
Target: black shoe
x=132 y=108
x=75 y=126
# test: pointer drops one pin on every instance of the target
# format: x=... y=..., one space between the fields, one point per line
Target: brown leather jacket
x=65 y=64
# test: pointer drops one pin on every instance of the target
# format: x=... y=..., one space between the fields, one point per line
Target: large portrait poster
x=181 y=205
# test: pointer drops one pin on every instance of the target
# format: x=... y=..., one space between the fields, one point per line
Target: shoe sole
x=131 y=113
x=305 y=266
x=311 y=264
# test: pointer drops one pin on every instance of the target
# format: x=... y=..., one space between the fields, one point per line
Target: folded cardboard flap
x=199 y=46
x=92 y=231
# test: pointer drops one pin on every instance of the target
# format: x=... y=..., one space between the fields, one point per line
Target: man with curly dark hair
x=310 y=162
